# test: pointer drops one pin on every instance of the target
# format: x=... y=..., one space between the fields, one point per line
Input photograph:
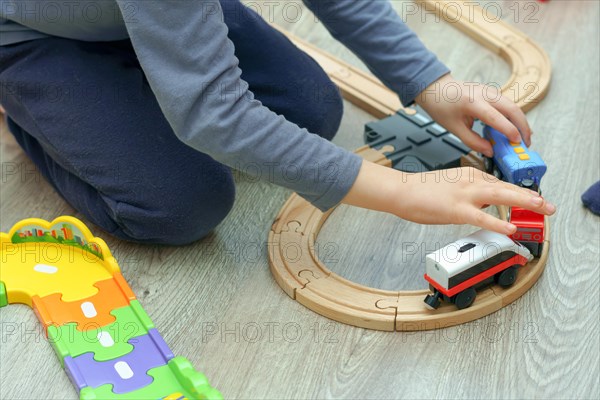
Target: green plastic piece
x=141 y=314
x=3 y=297
x=177 y=377
x=131 y=321
x=192 y=381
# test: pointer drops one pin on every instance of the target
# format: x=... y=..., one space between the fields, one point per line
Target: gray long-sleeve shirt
x=190 y=64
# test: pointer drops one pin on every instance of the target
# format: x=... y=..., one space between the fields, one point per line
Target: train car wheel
x=531 y=185
x=465 y=298
x=507 y=277
x=533 y=247
x=538 y=250
x=433 y=300
x=488 y=164
x=497 y=173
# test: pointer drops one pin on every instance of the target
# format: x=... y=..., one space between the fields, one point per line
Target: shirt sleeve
x=379 y=37
x=190 y=65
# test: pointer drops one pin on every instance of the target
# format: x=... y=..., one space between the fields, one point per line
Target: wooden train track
x=292 y=257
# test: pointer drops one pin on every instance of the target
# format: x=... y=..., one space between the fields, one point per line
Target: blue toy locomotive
x=514 y=162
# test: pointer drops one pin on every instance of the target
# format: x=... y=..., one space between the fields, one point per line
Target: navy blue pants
x=86 y=116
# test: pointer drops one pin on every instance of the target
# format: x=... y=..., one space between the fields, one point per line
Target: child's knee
x=178 y=217
x=327 y=112
x=320 y=109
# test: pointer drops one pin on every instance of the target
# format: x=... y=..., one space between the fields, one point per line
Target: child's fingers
x=473 y=140
x=521 y=199
x=513 y=187
x=494 y=118
x=491 y=179
x=484 y=220
x=545 y=207
x=540 y=205
x=515 y=115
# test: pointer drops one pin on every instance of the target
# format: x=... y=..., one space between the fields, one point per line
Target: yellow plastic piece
x=519 y=150
x=174 y=396
x=515 y=143
x=524 y=156
x=43 y=268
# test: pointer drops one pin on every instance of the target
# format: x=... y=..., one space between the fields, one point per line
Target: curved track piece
x=305 y=278
x=292 y=256
x=531 y=68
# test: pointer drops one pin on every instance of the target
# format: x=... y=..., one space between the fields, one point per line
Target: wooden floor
x=216 y=303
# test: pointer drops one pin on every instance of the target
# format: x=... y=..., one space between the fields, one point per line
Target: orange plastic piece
x=89 y=313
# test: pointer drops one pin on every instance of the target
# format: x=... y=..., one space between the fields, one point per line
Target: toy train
x=513 y=161
x=456 y=270
x=530 y=229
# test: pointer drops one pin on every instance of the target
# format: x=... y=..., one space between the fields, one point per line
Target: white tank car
x=472 y=252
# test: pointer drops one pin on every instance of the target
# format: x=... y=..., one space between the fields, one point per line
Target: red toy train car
x=530 y=229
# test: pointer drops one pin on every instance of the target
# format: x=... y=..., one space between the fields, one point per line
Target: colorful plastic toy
x=456 y=270
x=530 y=229
x=514 y=162
x=101 y=334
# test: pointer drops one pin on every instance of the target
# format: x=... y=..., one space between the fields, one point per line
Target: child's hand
x=454 y=196
x=457 y=196
x=455 y=105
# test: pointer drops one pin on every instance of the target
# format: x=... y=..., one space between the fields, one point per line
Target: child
x=135 y=110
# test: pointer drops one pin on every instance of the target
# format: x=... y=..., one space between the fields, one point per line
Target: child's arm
x=191 y=67
x=374 y=31
x=454 y=196
x=377 y=35
x=394 y=53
